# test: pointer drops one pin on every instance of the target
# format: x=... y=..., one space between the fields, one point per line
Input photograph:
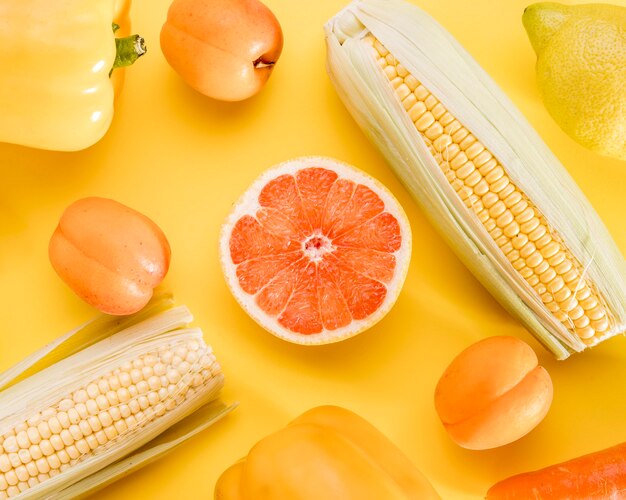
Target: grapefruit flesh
x=316 y=251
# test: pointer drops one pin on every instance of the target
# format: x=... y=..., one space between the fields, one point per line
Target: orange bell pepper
x=326 y=453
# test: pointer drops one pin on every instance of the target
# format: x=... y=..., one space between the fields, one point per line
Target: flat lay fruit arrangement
x=341 y=249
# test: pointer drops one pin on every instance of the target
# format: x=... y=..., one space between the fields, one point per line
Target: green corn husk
x=49 y=382
x=437 y=60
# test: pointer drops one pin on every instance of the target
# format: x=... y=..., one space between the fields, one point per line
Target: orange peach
x=225 y=49
x=493 y=393
x=110 y=255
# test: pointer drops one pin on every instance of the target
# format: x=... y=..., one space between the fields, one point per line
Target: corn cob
x=497 y=194
x=88 y=410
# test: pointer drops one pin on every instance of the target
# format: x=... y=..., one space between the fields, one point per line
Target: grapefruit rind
x=248 y=204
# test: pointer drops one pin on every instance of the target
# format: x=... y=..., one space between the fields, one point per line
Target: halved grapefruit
x=316 y=251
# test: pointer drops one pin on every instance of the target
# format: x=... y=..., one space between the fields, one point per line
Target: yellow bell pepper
x=327 y=453
x=56 y=91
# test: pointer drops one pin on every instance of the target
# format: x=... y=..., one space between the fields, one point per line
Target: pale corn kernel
x=72 y=452
x=56 y=442
x=396 y=82
x=497 y=209
x=465 y=170
x=482 y=187
x=526 y=273
x=102 y=402
x=438 y=111
x=66 y=404
x=490 y=199
x=507 y=190
x=430 y=101
x=446 y=119
x=548 y=275
x=411 y=82
x=562 y=295
x=468 y=141
x=587 y=333
x=409 y=101
x=434 y=131
x=512 y=230
x=24 y=456
x=423 y=122
x=415 y=113
x=100 y=438
x=474 y=150
x=92 y=407
x=519 y=207
x=525 y=215
x=42 y=466
x=11 y=478
x=459 y=135
x=473 y=179
x=391 y=72
x=543 y=241
x=81 y=409
x=46 y=448
x=582 y=322
x=32 y=469
x=66 y=437
x=550 y=249
x=10 y=444
x=73 y=415
x=114 y=383
x=495 y=174
x=120 y=426
x=533 y=261
x=63 y=456
x=54 y=462
x=500 y=185
x=450 y=152
x=596 y=313
x=505 y=220
x=14 y=458
x=513 y=199
x=92 y=390
x=82 y=446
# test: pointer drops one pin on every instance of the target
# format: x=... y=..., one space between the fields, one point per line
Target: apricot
x=110 y=255
x=493 y=393
x=224 y=49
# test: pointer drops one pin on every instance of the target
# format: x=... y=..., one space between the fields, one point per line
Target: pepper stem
x=128 y=50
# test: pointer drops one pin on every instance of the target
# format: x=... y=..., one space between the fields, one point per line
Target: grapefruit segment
x=363 y=205
x=363 y=295
x=381 y=233
x=250 y=240
x=314 y=185
x=254 y=274
x=302 y=313
x=279 y=224
x=371 y=263
x=333 y=305
x=274 y=296
x=282 y=194
x=316 y=251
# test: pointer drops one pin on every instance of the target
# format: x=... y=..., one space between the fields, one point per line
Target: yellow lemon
x=581 y=70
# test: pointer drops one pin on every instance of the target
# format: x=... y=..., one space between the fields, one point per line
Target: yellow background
x=183 y=159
